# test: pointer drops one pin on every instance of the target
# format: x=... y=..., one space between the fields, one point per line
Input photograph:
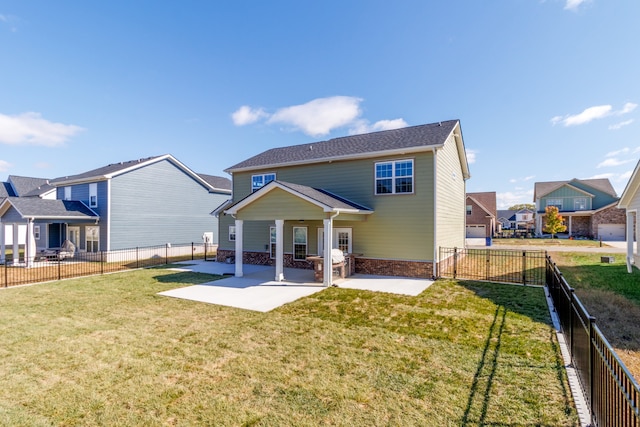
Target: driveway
x=259 y=292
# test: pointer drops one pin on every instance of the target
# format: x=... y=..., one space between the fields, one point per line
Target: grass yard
x=106 y=350
x=611 y=295
x=547 y=242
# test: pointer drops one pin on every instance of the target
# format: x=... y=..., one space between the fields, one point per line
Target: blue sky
x=545 y=89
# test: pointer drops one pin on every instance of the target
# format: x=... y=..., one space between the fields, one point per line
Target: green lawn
x=547 y=242
x=107 y=350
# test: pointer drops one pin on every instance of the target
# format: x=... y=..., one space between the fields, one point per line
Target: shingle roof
x=351 y=146
x=507 y=214
x=218 y=182
x=486 y=200
x=6 y=190
x=104 y=171
x=325 y=197
x=34 y=207
x=26 y=186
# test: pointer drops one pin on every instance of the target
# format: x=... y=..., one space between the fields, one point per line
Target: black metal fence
x=611 y=391
x=493 y=265
x=47 y=266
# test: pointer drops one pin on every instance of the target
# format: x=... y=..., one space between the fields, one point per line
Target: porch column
x=570 y=224
x=3 y=249
x=239 y=254
x=630 y=221
x=29 y=244
x=16 y=245
x=328 y=245
x=279 y=250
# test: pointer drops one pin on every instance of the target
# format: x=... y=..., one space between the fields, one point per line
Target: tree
x=521 y=206
x=553 y=221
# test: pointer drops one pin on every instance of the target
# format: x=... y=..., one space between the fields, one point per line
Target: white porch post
x=629 y=240
x=279 y=250
x=29 y=244
x=239 y=254
x=328 y=245
x=2 y=245
x=570 y=224
x=16 y=245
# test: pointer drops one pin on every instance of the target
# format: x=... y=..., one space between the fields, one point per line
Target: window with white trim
x=93 y=195
x=36 y=232
x=67 y=193
x=580 y=204
x=555 y=202
x=272 y=242
x=259 y=181
x=469 y=209
x=232 y=233
x=395 y=177
x=93 y=239
x=299 y=243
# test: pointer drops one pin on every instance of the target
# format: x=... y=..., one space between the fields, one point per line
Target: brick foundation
x=262 y=258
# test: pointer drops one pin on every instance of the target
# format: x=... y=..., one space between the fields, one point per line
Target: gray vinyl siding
x=160 y=204
x=80 y=192
x=12 y=215
x=401 y=226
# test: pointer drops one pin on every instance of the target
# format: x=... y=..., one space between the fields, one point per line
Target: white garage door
x=611 y=232
x=474 y=231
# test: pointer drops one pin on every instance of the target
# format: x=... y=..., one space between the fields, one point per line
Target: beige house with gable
x=389 y=199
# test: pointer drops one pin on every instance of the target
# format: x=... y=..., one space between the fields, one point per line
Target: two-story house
x=481 y=214
x=146 y=202
x=630 y=202
x=390 y=198
x=522 y=219
x=589 y=207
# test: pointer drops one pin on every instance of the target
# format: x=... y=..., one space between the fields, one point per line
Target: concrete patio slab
x=259 y=292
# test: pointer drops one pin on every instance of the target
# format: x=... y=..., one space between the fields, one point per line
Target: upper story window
x=580 y=204
x=469 y=209
x=394 y=177
x=93 y=195
x=555 y=202
x=67 y=193
x=232 y=233
x=259 y=181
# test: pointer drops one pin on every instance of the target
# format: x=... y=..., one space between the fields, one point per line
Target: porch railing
x=16 y=270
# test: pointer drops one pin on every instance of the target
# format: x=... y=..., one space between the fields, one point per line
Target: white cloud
x=363 y=126
x=319 y=116
x=624 y=150
x=573 y=5
x=612 y=162
x=471 y=156
x=10 y=21
x=593 y=113
x=31 y=129
x=4 y=165
x=509 y=198
x=246 y=115
x=621 y=124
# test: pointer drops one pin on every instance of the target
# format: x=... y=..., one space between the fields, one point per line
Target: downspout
x=108 y=215
x=435 y=211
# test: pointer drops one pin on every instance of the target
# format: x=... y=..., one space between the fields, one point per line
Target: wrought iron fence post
x=455 y=262
x=192 y=251
x=137 y=258
x=101 y=262
x=488 y=268
x=166 y=253
x=59 y=268
x=524 y=268
x=592 y=321
x=6 y=274
x=205 y=251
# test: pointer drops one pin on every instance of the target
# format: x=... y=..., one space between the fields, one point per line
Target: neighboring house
x=589 y=207
x=630 y=201
x=390 y=198
x=481 y=214
x=146 y=202
x=516 y=220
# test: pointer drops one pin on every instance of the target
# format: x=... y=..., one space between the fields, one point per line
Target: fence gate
x=493 y=265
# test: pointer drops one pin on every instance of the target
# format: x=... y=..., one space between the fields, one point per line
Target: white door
x=612 y=232
x=342 y=239
x=476 y=231
x=73 y=235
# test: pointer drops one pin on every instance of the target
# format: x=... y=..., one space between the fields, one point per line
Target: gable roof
x=507 y=214
x=541 y=189
x=6 y=190
x=326 y=200
x=486 y=200
x=115 y=169
x=218 y=182
x=25 y=186
x=631 y=189
x=408 y=139
x=36 y=208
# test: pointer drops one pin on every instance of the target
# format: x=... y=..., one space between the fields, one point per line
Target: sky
x=545 y=90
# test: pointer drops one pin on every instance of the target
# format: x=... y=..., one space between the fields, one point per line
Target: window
x=394 y=177
x=259 y=181
x=469 y=209
x=555 y=202
x=93 y=195
x=36 y=232
x=580 y=204
x=93 y=239
x=272 y=242
x=232 y=233
x=299 y=243
x=67 y=193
